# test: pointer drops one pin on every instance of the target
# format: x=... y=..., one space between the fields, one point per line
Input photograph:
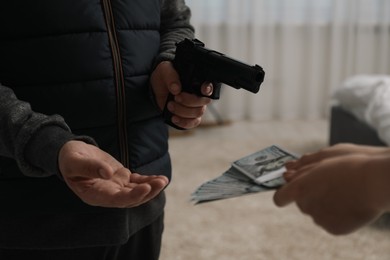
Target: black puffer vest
x=88 y=61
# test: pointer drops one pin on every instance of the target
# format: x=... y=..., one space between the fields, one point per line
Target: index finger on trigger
x=207 y=88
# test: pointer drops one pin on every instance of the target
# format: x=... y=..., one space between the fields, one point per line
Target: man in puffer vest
x=83 y=146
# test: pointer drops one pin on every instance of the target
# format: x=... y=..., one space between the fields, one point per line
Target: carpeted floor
x=251 y=227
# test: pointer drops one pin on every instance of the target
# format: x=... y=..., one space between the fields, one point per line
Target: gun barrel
x=197 y=64
x=230 y=71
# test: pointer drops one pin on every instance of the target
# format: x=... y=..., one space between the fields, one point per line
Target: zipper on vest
x=119 y=83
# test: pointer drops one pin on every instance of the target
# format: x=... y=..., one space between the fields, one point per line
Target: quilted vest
x=88 y=61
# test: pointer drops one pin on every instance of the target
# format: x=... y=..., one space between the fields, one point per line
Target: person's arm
x=32 y=139
x=175 y=26
x=187 y=109
x=341 y=193
x=43 y=145
x=331 y=152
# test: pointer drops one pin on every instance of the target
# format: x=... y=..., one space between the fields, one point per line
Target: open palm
x=100 y=180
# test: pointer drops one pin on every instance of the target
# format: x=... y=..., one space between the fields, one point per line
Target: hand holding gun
x=196 y=64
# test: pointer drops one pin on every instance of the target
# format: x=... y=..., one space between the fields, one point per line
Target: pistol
x=196 y=64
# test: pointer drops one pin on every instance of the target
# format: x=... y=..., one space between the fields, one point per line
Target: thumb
x=164 y=80
x=285 y=195
x=171 y=78
x=90 y=168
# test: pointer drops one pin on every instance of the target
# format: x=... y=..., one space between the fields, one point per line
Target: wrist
x=42 y=150
x=44 y=147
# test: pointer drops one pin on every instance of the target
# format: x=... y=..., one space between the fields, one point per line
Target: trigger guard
x=216 y=90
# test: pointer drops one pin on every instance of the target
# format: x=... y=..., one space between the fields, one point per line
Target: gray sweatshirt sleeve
x=32 y=139
x=175 y=26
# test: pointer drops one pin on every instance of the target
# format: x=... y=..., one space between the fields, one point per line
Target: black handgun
x=196 y=64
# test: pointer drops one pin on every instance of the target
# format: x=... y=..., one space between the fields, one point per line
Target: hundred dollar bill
x=266 y=165
x=225 y=186
x=257 y=172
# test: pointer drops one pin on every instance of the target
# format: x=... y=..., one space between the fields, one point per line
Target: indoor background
x=308 y=50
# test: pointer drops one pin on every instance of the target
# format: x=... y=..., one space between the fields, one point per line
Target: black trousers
x=144 y=245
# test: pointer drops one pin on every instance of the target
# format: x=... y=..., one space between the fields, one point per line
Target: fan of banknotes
x=257 y=172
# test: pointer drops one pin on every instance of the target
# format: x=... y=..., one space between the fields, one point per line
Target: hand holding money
x=341 y=193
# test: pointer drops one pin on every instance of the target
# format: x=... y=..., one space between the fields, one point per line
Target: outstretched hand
x=187 y=109
x=333 y=151
x=342 y=187
x=100 y=180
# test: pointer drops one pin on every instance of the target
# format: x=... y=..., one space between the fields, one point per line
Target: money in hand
x=257 y=172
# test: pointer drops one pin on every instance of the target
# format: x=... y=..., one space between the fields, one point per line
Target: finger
x=156 y=182
x=290 y=165
x=90 y=168
x=285 y=195
x=289 y=175
x=142 y=192
x=207 y=89
x=186 y=123
x=138 y=178
x=131 y=196
x=185 y=111
x=294 y=173
x=171 y=78
x=304 y=160
x=316 y=156
x=307 y=159
x=174 y=88
x=167 y=78
x=191 y=100
x=186 y=117
x=157 y=185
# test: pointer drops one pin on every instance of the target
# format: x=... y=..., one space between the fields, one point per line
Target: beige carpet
x=251 y=227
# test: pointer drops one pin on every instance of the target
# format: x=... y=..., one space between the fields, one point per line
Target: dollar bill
x=257 y=172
